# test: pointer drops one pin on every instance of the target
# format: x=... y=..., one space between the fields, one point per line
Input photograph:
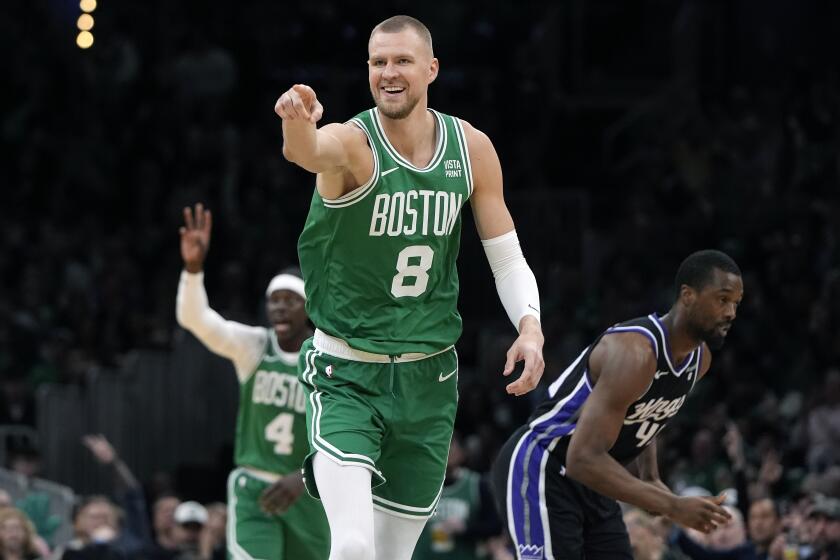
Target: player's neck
x=293 y=344
x=680 y=340
x=415 y=136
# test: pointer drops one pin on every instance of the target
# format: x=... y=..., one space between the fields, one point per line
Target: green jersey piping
x=392 y=151
x=362 y=191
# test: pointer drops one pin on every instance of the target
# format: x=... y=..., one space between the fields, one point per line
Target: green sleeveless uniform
x=460 y=502
x=379 y=264
x=271 y=436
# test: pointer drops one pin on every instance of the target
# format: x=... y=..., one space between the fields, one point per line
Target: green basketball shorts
x=394 y=418
x=302 y=533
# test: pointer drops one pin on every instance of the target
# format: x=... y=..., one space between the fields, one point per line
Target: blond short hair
x=395 y=24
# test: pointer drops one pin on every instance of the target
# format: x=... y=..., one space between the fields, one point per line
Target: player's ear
x=687 y=295
x=434 y=67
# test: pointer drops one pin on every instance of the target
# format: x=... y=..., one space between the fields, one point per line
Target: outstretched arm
x=242 y=344
x=338 y=153
x=515 y=282
x=623 y=367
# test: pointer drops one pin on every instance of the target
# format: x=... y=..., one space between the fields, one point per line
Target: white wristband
x=515 y=281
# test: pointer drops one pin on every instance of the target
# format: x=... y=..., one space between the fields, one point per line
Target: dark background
x=630 y=134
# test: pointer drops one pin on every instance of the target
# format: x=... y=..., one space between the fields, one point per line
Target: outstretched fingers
x=188 y=218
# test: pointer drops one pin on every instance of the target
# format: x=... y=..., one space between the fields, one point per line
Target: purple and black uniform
x=551 y=516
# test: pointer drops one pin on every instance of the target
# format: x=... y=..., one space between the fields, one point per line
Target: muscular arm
x=317 y=151
x=624 y=366
x=492 y=218
x=515 y=282
x=242 y=344
x=337 y=152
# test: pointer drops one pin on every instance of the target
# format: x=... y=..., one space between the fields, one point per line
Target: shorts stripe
x=527 y=509
x=327 y=447
x=234 y=548
x=402 y=510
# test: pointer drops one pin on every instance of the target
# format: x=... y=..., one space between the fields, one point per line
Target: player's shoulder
x=472 y=133
x=346 y=131
x=479 y=146
x=627 y=346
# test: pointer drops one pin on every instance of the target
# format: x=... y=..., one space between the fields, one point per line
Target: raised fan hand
x=195 y=237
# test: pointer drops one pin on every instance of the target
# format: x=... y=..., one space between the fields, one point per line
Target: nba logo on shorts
x=530 y=552
x=329 y=370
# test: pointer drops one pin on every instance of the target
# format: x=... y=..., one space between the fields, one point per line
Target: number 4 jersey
x=380 y=262
x=554 y=421
x=271 y=426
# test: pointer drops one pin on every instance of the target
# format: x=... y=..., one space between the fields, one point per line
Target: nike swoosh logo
x=534 y=308
x=443 y=378
x=659 y=374
x=389 y=171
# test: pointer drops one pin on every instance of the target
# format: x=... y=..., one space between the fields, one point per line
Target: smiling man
x=558 y=477
x=269 y=515
x=378 y=254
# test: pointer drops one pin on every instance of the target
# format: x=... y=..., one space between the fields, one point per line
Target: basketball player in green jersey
x=270 y=517
x=378 y=254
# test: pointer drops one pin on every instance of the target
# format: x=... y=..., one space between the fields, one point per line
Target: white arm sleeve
x=515 y=282
x=242 y=344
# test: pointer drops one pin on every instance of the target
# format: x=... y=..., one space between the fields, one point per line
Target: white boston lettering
x=415 y=211
x=278 y=389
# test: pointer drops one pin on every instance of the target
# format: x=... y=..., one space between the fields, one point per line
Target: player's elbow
x=289 y=154
x=579 y=463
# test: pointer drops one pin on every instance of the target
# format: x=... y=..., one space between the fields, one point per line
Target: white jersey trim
x=361 y=191
x=400 y=160
x=667 y=349
x=465 y=153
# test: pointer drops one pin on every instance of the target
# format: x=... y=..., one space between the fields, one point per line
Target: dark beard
x=710 y=337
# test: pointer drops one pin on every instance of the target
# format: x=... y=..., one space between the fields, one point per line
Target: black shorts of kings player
x=558 y=478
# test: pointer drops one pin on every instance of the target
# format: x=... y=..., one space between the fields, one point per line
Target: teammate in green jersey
x=269 y=515
x=378 y=254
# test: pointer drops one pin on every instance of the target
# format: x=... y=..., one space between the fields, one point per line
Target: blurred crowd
x=102 y=148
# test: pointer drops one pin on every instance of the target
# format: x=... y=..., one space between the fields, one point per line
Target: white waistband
x=340 y=349
x=265 y=476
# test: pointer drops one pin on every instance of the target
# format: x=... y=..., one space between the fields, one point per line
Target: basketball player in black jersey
x=558 y=477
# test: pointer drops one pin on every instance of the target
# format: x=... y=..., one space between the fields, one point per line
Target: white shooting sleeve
x=244 y=345
x=515 y=281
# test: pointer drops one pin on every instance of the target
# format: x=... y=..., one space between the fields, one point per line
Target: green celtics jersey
x=271 y=426
x=459 y=504
x=380 y=262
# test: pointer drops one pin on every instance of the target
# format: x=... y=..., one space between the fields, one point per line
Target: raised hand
x=195 y=237
x=100 y=447
x=702 y=514
x=527 y=347
x=299 y=103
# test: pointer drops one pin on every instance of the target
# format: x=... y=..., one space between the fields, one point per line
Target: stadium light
x=87 y=5
x=85 y=22
x=84 y=39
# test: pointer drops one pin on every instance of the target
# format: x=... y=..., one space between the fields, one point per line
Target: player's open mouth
x=392 y=90
x=723 y=329
x=282 y=327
